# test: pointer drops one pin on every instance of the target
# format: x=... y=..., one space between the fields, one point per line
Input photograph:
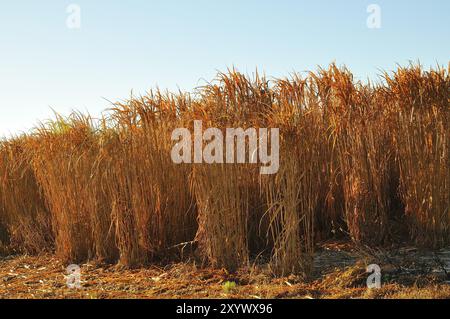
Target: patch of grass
x=229 y=287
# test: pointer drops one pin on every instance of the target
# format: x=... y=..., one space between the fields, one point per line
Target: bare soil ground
x=339 y=272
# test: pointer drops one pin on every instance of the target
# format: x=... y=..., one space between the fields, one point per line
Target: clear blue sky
x=138 y=44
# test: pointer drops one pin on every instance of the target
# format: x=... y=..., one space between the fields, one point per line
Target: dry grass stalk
x=223 y=198
x=25 y=217
x=64 y=154
x=422 y=142
x=306 y=174
x=152 y=206
x=364 y=153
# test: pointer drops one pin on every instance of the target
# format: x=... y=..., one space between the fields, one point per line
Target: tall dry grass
x=25 y=220
x=223 y=197
x=356 y=159
x=152 y=206
x=64 y=158
x=422 y=137
x=360 y=129
x=231 y=208
x=297 y=196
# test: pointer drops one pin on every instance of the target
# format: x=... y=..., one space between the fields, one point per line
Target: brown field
x=360 y=162
x=339 y=272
